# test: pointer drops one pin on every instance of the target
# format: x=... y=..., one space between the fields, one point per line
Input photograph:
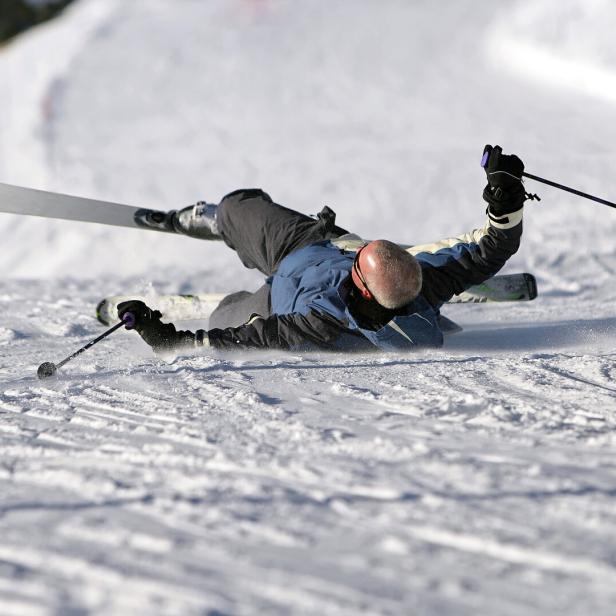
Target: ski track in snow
x=271 y=483
x=479 y=479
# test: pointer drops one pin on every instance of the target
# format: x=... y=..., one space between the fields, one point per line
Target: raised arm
x=452 y=265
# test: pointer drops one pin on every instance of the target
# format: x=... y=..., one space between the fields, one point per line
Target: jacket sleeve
x=288 y=331
x=452 y=265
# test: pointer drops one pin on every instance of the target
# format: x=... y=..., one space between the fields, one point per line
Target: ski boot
x=197 y=221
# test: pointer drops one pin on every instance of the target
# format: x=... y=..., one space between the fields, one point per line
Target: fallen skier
x=328 y=289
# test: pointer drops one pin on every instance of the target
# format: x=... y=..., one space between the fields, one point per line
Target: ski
x=32 y=202
x=503 y=288
x=197 y=307
x=173 y=307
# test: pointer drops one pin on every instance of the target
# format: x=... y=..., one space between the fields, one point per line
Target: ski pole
x=48 y=369
x=579 y=193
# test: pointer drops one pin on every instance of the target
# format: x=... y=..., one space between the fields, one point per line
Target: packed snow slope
x=478 y=479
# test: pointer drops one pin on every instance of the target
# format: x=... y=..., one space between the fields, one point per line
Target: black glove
x=160 y=336
x=504 y=192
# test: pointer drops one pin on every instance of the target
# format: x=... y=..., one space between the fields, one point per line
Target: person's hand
x=143 y=315
x=504 y=170
x=160 y=336
x=505 y=192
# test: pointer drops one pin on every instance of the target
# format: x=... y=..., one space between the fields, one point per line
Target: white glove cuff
x=507 y=221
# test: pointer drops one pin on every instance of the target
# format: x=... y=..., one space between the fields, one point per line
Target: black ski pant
x=263 y=233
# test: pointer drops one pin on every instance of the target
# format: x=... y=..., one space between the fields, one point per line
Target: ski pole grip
x=129 y=320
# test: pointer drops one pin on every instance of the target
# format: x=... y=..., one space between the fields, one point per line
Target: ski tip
x=101 y=313
x=531 y=283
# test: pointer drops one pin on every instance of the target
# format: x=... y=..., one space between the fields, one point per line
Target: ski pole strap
x=579 y=193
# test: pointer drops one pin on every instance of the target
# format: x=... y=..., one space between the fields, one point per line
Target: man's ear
x=365 y=293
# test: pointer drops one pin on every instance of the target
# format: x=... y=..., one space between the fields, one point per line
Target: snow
x=477 y=479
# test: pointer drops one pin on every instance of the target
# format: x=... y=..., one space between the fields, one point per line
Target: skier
x=328 y=289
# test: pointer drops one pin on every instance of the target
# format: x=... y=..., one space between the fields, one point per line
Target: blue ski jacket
x=317 y=279
x=310 y=288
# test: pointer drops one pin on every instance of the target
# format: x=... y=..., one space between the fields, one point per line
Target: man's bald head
x=388 y=273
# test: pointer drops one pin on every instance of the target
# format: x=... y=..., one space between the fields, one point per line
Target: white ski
x=173 y=307
x=31 y=202
x=508 y=288
x=503 y=288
